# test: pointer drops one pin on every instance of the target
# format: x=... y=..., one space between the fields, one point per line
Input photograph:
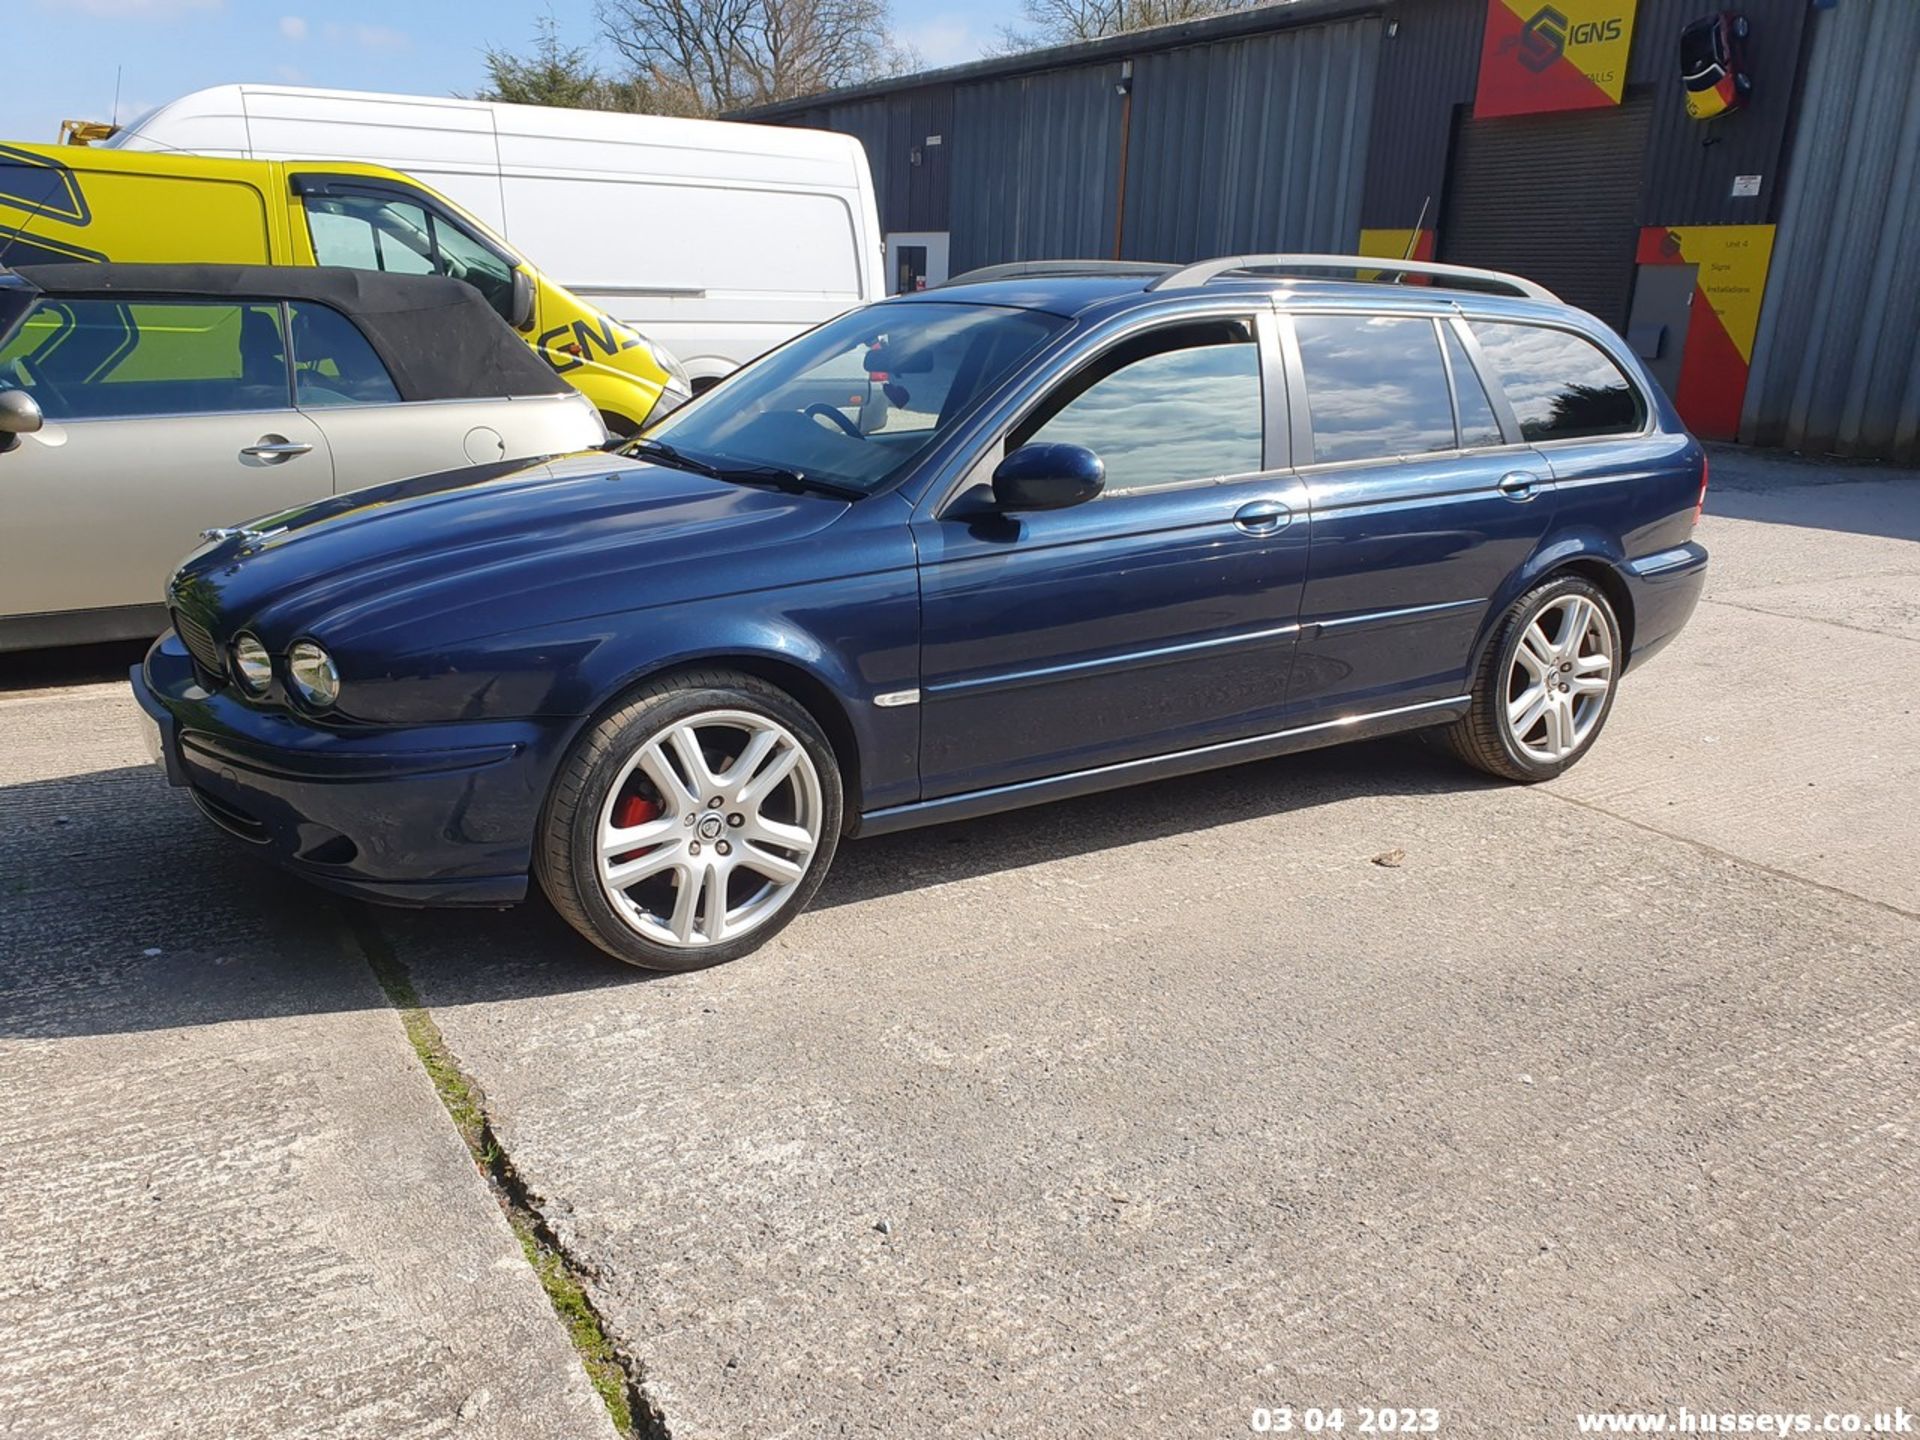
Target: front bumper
x=427 y=815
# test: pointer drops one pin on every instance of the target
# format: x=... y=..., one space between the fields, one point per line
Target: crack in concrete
x=615 y=1374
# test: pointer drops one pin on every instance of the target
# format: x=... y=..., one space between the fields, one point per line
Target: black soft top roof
x=440 y=338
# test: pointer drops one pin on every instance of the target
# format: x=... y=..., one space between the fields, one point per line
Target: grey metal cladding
x=1428 y=67
x=1837 y=359
x=1036 y=160
x=1253 y=144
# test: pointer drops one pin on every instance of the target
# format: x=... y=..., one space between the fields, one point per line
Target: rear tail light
x=1701 y=503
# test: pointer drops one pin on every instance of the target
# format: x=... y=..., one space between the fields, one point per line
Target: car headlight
x=314 y=676
x=252 y=665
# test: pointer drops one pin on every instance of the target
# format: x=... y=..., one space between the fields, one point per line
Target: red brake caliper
x=633 y=810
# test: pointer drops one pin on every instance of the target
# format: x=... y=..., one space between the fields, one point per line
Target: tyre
x=1742 y=28
x=1546 y=685
x=691 y=824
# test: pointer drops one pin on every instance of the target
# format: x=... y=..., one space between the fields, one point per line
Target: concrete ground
x=1128 y=1115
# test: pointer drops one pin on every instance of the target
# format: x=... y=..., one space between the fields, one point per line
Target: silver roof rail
x=1458 y=277
x=1024 y=269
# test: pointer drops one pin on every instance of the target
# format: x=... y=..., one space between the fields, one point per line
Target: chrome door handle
x=1261 y=517
x=269 y=449
x=1518 y=484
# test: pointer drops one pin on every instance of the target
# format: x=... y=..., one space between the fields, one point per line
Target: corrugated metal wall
x=1035 y=163
x=1252 y=144
x=910 y=177
x=1428 y=65
x=1837 y=360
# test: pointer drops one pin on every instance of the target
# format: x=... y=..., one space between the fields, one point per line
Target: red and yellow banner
x=1721 y=320
x=1553 y=55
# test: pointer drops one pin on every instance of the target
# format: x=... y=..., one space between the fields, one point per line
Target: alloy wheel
x=1561 y=673
x=709 y=828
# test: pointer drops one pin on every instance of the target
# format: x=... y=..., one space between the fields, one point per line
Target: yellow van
x=60 y=203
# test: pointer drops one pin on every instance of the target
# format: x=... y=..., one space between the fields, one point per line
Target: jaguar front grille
x=200 y=645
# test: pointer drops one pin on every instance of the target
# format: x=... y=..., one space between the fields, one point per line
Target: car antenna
x=1413 y=239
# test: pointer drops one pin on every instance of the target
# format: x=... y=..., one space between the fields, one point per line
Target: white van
x=718 y=240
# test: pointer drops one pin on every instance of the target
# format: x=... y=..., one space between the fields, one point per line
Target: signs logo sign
x=1560 y=55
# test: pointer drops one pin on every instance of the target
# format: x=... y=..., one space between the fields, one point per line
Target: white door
x=163 y=418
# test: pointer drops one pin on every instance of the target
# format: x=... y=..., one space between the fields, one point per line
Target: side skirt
x=81 y=627
x=1161 y=767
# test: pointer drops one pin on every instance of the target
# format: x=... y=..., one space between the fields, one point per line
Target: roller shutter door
x=1554 y=198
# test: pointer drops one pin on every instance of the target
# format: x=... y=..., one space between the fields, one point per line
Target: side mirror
x=19 y=415
x=1048 y=477
x=522 y=317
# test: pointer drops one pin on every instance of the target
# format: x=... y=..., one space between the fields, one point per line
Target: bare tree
x=1062 y=22
x=701 y=57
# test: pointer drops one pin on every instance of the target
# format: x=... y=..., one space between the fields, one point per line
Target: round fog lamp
x=313 y=674
x=252 y=666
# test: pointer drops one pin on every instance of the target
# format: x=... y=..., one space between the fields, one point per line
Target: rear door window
x=100 y=359
x=1376 y=386
x=1479 y=426
x=1561 y=385
x=332 y=362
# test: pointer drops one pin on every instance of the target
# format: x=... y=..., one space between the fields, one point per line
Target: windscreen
x=857 y=400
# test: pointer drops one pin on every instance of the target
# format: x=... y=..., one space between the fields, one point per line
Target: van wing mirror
x=522 y=317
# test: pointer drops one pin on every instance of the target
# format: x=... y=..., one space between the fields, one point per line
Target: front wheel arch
x=806 y=689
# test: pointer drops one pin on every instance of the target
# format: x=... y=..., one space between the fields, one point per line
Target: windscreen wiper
x=664 y=453
x=794 y=482
x=776 y=477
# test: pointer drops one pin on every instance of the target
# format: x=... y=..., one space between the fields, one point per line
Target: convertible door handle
x=1261 y=517
x=267 y=448
x=1518 y=484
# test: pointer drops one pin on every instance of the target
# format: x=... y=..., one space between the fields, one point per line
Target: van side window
x=1478 y=424
x=1562 y=385
x=100 y=359
x=371 y=232
x=332 y=362
x=1375 y=386
x=1163 y=408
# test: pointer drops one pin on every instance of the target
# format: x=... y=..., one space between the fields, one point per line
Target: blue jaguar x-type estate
x=1038 y=532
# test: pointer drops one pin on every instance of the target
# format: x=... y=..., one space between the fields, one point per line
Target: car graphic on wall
x=1713 y=64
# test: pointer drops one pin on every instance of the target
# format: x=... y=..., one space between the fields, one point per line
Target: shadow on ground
x=102 y=869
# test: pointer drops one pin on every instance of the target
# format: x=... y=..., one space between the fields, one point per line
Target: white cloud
x=381 y=38
x=292 y=75
x=942 y=40
x=293 y=27
x=137 y=9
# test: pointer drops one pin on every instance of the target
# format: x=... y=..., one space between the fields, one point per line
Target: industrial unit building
x=1762 y=260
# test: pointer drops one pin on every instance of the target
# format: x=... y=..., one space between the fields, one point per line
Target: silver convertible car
x=141 y=405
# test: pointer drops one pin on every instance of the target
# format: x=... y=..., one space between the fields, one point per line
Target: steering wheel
x=834 y=415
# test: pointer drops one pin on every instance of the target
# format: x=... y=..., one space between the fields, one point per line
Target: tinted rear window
x=1562 y=386
x=1375 y=386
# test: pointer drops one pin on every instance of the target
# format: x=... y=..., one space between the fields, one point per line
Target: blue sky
x=165 y=48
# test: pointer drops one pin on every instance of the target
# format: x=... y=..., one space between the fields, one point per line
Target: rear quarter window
x=1561 y=385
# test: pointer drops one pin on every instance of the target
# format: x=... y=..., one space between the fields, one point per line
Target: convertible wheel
x=1546 y=685
x=692 y=823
